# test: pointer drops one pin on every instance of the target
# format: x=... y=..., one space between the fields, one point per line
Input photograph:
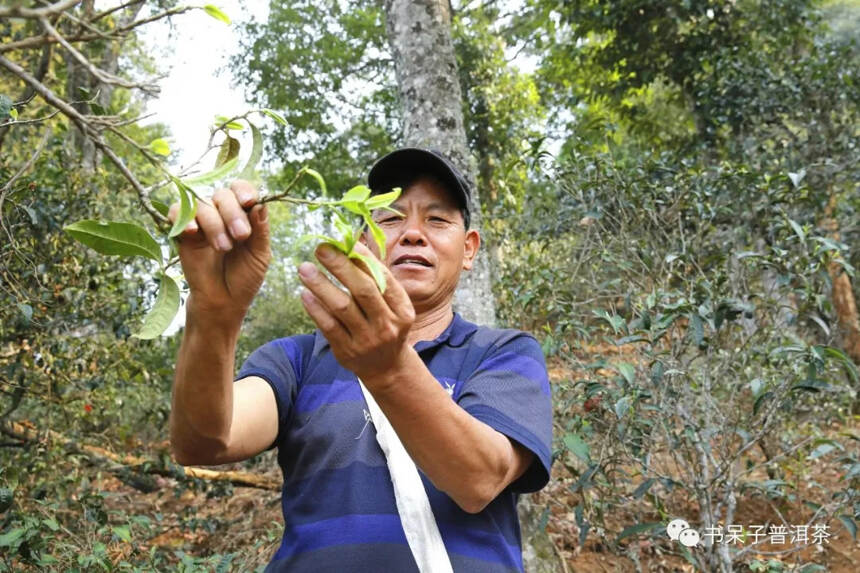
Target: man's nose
x=412 y=233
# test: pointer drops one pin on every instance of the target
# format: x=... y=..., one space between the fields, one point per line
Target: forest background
x=669 y=200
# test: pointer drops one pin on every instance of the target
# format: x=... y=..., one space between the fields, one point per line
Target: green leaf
x=378 y=235
x=843 y=359
x=638 y=529
x=5 y=106
x=346 y=231
x=325 y=239
x=7 y=496
x=122 y=532
x=249 y=171
x=643 y=488
x=212 y=176
x=657 y=372
x=697 y=329
x=622 y=406
x=11 y=537
x=356 y=207
x=224 y=122
x=187 y=209
x=756 y=386
x=160 y=147
x=376 y=268
x=228 y=150
x=798 y=230
x=315 y=174
x=796 y=178
x=383 y=199
x=849 y=524
x=160 y=206
x=26 y=310
x=275 y=115
x=358 y=193
x=821 y=450
x=578 y=446
x=51 y=524
x=216 y=13
x=626 y=369
x=165 y=308
x=812 y=568
x=113 y=238
x=760 y=401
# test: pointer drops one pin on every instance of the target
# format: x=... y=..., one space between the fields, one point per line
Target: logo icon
x=680 y=530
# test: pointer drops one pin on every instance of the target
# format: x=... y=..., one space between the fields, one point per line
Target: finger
x=395 y=295
x=258 y=242
x=359 y=283
x=245 y=192
x=333 y=330
x=213 y=227
x=190 y=229
x=232 y=213
x=335 y=300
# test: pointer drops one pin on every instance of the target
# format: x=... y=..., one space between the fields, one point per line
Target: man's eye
x=385 y=220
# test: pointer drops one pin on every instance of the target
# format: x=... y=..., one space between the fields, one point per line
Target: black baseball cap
x=404 y=165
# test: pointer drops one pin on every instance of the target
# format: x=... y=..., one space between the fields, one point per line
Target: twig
x=29 y=121
x=34 y=13
x=16 y=176
x=101 y=75
x=110 y=11
x=82 y=124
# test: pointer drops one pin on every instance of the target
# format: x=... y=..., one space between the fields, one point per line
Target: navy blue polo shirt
x=338 y=501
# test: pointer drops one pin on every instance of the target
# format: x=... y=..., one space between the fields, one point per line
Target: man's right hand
x=225 y=251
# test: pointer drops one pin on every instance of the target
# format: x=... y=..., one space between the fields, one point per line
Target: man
x=469 y=404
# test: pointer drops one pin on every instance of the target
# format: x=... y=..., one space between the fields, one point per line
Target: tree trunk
x=419 y=33
x=844 y=303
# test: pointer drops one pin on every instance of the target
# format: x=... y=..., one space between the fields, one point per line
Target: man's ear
x=471 y=245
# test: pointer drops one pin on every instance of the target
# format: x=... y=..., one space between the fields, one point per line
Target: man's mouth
x=412 y=260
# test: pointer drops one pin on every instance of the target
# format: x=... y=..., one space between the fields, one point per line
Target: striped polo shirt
x=338 y=501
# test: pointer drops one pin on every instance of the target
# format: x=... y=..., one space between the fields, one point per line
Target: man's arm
x=462 y=456
x=224 y=254
x=214 y=420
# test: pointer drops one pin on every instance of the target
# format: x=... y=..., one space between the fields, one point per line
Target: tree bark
x=419 y=33
x=844 y=303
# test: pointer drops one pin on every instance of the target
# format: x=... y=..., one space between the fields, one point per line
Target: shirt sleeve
x=276 y=362
x=509 y=391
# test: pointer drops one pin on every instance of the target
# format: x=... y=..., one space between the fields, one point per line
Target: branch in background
x=35 y=13
x=29 y=93
x=110 y=11
x=26 y=167
x=118 y=34
x=88 y=130
x=96 y=454
x=101 y=75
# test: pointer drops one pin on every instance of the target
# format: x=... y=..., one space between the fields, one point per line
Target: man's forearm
x=202 y=408
x=462 y=456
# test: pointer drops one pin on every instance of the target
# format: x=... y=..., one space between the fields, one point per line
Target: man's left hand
x=367 y=329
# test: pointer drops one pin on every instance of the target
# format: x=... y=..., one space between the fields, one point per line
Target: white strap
x=419 y=525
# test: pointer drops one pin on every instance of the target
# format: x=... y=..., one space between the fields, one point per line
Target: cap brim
x=408 y=162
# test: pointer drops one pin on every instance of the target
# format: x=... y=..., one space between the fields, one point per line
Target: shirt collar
x=455 y=334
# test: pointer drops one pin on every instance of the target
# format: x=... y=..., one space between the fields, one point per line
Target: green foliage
x=325 y=68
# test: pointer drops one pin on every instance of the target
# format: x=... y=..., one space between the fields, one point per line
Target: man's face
x=428 y=246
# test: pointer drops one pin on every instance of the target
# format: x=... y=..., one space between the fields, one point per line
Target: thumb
x=258 y=242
